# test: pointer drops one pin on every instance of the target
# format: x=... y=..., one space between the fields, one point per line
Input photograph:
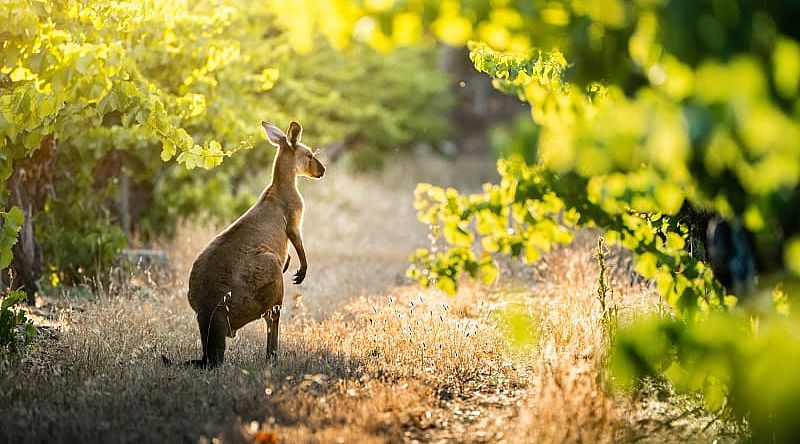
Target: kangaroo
x=238 y=277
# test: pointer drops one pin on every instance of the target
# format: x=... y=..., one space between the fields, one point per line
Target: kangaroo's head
x=293 y=153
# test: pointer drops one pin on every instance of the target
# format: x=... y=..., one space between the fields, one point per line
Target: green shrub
x=125 y=97
x=16 y=330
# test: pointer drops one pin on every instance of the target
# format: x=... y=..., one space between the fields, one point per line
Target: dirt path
x=360 y=230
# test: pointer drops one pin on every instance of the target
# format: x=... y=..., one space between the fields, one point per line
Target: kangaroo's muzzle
x=318 y=169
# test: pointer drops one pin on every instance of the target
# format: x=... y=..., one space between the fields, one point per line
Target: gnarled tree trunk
x=29 y=186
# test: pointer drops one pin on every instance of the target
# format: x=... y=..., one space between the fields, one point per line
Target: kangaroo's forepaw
x=299 y=276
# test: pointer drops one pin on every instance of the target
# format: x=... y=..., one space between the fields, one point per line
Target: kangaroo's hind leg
x=272 y=317
x=212 y=334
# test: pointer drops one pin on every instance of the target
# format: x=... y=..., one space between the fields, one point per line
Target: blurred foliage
x=743 y=365
x=642 y=109
x=661 y=103
x=120 y=82
x=521 y=329
x=16 y=330
x=517 y=139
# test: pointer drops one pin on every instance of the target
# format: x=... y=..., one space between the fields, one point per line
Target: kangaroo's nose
x=320 y=169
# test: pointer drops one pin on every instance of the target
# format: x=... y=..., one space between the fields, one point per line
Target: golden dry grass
x=365 y=356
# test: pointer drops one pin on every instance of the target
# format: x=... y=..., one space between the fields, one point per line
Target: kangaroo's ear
x=274 y=134
x=294 y=133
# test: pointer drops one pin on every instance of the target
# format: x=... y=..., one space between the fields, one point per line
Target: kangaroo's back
x=214 y=269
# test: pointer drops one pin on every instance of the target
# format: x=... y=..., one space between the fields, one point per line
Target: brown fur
x=238 y=277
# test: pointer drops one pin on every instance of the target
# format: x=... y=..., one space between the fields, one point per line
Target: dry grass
x=364 y=357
